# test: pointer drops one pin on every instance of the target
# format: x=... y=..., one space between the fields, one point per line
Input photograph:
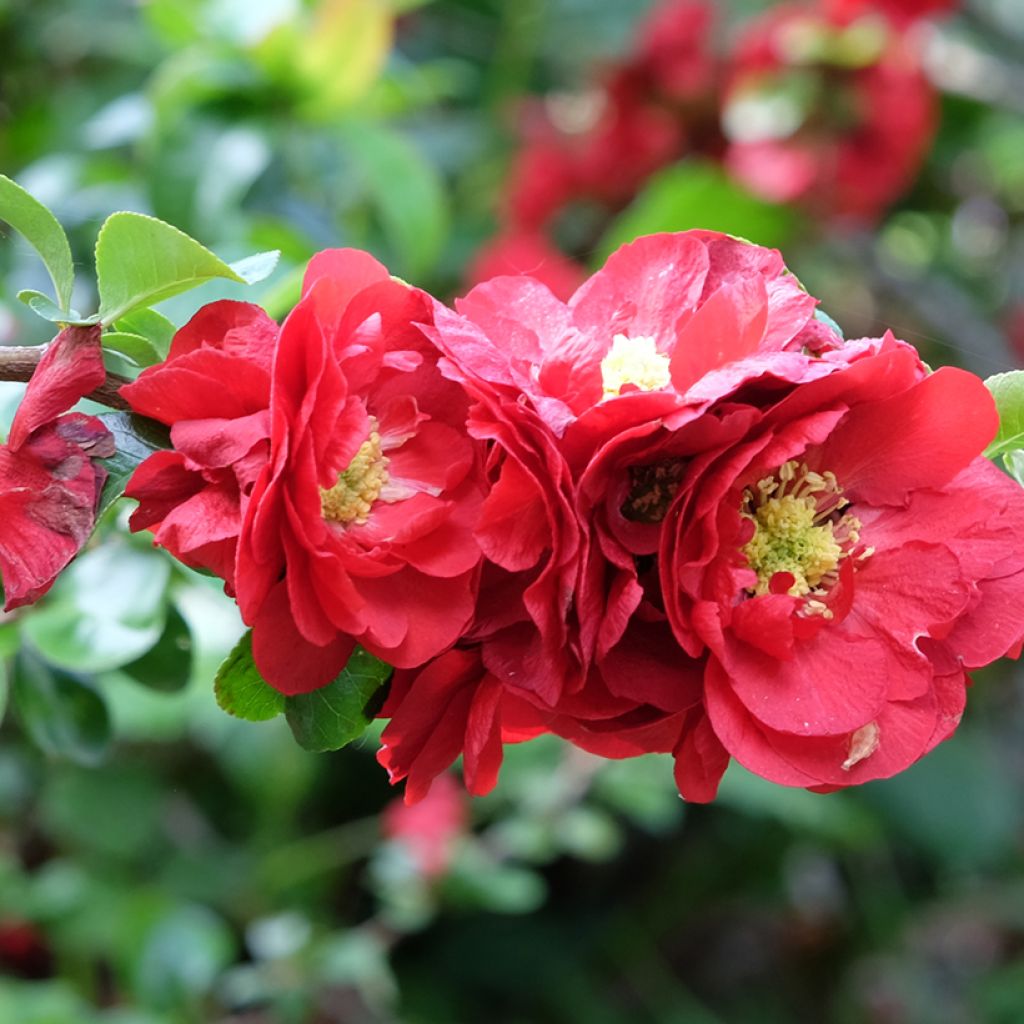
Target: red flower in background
x=530 y=254
x=429 y=830
x=828 y=111
x=213 y=391
x=902 y=12
x=359 y=528
x=843 y=563
x=49 y=482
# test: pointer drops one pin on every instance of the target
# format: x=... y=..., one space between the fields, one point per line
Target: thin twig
x=18 y=363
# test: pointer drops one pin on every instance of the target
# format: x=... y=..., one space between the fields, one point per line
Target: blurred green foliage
x=163 y=862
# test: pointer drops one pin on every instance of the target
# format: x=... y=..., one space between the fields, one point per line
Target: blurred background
x=161 y=862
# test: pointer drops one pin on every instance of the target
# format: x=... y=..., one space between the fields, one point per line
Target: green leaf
x=151 y=325
x=406 y=191
x=337 y=714
x=62 y=713
x=167 y=666
x=43 y=306
x=1008 y=391
x=107 y=609
x=820 y=314
x=141 y=261
x=134 y=347
x=693 y=194
x=1014 y=463
x=43 y=232
x=241 y=690
x=258 y=267
x=136 y=438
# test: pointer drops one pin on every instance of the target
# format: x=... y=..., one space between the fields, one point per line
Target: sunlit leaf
x=1008 y=391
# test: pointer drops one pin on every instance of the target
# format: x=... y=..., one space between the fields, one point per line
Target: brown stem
x=18 y=362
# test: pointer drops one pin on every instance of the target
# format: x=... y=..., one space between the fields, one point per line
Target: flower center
x=359 y=486
x=798 y=530
x=635 y=361
x=651 y=491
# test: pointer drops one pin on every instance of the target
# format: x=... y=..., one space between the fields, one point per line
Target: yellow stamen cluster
x=797 y=530
x=358 y=487
x=635 y=361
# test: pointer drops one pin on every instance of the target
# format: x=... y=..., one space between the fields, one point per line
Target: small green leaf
x=256 y=268
x=141 y=261
x=134 y=347
x=694 y=194
x=1014 y=463
x=337 y=714
x=241 y=690
x=136 y=438
x=167 y=666
x=62 y=712
x=406 y=191
x=1008 y=391
x=43 y=306
x=151 y=325
x=43 y=232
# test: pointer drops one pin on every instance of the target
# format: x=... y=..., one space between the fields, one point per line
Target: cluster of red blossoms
x=822 y=103
x=676 y=513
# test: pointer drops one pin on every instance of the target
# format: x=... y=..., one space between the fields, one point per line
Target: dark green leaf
x=167 y=666
x=693 y=194
x=62 y=713
x=337 y=714
x=43 y=232
x=241 y=690
x=141 y=261
x=136 y=438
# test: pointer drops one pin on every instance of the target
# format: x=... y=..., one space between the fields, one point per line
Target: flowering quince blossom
x=829 y=109
x=49 y=482
x=191 y=498
x=428 y=831
x=359 y=526
x=564 y=627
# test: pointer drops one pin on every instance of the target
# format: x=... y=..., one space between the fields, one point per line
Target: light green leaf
x=256 y=268
x=141 y=261
x=1008 y=391
x=241 y=690
x=151 y=325
x=106 y=610
x=693 y=194
x=43 y=232
x=43 y=306
x=337 y=714
x=1014 y=463
x=134 y=347
x=407 y=193
x=136 y=438
x=62 y=712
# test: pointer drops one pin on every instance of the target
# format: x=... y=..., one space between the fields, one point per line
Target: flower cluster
x=822 y=103
x=675 y=513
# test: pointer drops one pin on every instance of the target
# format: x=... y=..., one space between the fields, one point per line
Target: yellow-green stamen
x=635 y=361
x=358 y=487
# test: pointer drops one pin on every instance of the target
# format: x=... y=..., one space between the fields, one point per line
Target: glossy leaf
x=151 y=325
x=337 y=714
x=133 y=347
x=38 y=226
x=1008 y=391
x=43 y=306
x=136 y=439
x=63 y=713
x=241 y=690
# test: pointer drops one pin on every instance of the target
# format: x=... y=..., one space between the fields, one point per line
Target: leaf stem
x=18 y=363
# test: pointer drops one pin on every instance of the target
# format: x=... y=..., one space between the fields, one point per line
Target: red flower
x=529 y=254
x=843 y=562
x=430 y=829
x=359 y=529
x=192 y=497
x=902 y=12
x=49 y=483
x=832 y=113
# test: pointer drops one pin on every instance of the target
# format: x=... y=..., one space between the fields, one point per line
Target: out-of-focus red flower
x=902 y=12
x=49 y=482
x=429 y=830
x=23 y=949
x=829 y=111
x=842 y=563
x=213 y=391
x=528 y=253
x=359 y=528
